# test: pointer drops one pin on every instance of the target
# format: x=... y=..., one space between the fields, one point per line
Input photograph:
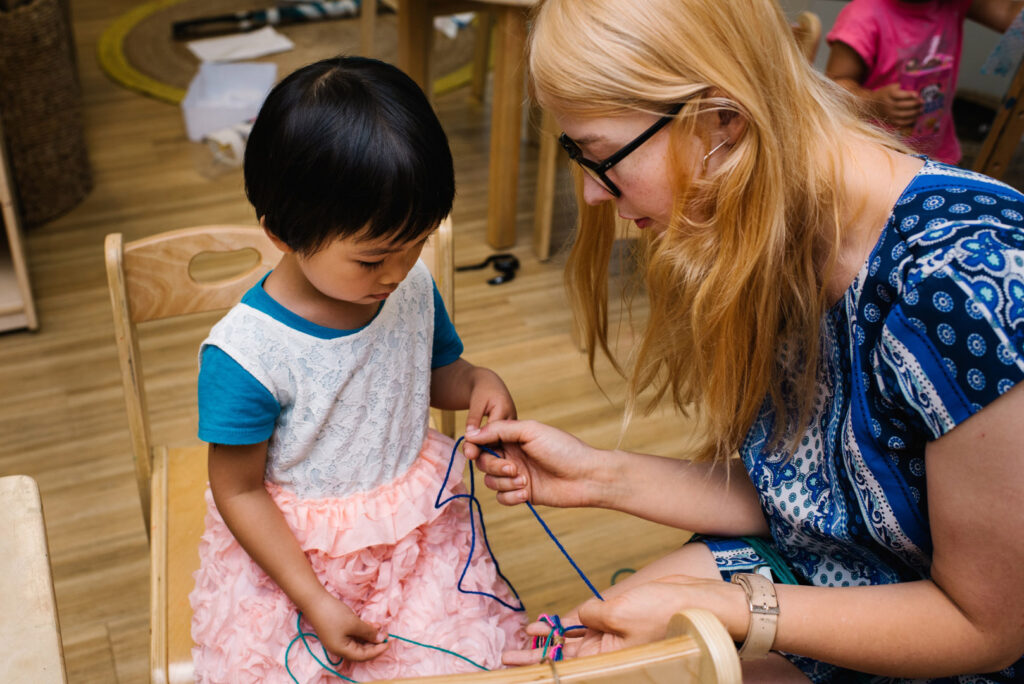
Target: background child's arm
x=889 y=103
x=461 y=385
x=236 y=480
x=995 y=14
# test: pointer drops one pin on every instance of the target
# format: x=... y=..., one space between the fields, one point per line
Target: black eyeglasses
x=598 y=170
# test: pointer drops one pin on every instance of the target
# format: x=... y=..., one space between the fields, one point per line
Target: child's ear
x=278 y=242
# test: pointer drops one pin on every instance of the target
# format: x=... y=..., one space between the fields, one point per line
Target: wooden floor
x=62 y=419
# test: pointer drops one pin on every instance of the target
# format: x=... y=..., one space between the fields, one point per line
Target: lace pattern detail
x=354 y=409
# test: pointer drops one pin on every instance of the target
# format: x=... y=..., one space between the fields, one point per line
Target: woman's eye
x=371 y=265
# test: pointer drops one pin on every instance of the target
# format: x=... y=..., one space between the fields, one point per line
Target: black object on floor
x=505 y=264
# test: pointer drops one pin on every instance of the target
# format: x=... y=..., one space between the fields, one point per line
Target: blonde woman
x=846 y=318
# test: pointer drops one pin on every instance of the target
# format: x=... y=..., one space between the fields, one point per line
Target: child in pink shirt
x=903 y=56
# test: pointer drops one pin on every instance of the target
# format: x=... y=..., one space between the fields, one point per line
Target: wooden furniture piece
x=415 y=31
x=29 y=628
x=1007 y=127
x=697 y=650
x=151 y=279
x=17 y=309
x=806 y=30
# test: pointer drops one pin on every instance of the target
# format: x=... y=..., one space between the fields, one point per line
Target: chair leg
x=547 y=172
x=481 y=55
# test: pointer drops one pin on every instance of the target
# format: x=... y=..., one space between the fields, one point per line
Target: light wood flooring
x=62 y=419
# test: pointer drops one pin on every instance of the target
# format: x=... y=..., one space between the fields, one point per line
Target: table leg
x=415 y=29
x=506 y=119
x=367 y=26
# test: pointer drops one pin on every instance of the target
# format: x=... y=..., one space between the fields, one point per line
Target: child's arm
x=236 y=480
x=995 y=14
x=460 y=385
x=889 y=103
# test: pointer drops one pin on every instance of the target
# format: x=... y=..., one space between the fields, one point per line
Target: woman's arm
x=236 y=480
x=547 y=466
x=461 y=385
x=969 y=618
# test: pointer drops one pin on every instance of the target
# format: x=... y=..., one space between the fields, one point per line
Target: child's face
x=360 y=270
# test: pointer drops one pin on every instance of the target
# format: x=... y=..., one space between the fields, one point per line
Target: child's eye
x=371 y=265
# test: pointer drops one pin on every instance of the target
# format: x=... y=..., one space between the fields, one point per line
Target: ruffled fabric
x=388 y=554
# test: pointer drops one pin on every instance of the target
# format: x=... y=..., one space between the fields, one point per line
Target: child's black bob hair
x=348 y=146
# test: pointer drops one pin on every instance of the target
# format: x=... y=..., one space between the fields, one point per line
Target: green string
x=618 y=572
x=547 y=642
x=443 y=650
x=302 y=636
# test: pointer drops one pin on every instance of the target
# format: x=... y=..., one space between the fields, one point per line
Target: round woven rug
x=137 y=49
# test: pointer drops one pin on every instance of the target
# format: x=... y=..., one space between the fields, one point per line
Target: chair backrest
x=151 y=279
x=807 y=31
x=154 y=278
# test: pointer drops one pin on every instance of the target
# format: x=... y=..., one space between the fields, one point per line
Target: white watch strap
x=764 y=614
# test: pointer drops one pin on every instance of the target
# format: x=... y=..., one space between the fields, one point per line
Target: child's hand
x=488 y=398
x=897 y=106
x=342 y=632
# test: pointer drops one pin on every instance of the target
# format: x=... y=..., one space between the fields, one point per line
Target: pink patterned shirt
x=920 y=43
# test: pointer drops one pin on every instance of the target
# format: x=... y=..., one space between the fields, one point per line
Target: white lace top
x=354 y=409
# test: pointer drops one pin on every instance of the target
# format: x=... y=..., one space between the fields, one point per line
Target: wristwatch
x=764 y=614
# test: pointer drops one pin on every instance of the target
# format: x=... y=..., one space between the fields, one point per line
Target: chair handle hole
x=213 y=267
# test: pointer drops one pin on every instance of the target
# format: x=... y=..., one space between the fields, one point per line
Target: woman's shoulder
x=950 y=223
x=944 y=205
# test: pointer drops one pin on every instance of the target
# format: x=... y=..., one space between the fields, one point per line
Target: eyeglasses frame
x=600 y=169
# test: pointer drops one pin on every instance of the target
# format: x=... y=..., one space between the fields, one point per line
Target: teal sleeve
x=447 y=345
x=234 y=407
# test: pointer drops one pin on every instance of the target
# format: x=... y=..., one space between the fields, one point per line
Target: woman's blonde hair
x=737 y=296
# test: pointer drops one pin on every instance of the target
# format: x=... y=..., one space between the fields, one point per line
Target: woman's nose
x=593 y=192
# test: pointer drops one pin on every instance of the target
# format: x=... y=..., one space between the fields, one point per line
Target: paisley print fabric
x=930 y=331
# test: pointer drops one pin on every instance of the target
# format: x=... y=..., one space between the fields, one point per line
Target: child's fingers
x=360 y=651
x=368 y=632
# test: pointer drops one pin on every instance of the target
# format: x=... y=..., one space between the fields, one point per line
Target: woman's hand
x=541 y=464
x=488 y=398
x=342 y=632
x=640 y=615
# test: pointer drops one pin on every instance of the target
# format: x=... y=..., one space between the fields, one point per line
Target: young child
x=314 y=394
x=902 y=57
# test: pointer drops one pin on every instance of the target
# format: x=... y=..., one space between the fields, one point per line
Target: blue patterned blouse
x=930 y=331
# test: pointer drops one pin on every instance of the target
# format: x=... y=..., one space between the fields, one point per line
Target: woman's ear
x=278 y=242
x=733 y=125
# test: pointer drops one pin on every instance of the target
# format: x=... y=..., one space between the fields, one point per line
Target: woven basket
x=40 y=102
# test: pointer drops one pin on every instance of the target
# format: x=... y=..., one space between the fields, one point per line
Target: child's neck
x=288 y=286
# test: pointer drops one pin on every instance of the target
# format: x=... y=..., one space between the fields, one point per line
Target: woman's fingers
x=594 y=614
x=501 y=431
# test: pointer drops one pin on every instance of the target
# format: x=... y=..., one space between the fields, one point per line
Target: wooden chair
x=696 y=650
x=150 y=279
x=806 y=30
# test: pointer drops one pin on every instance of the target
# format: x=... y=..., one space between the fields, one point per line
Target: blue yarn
x=472 y=538
x=529 y=505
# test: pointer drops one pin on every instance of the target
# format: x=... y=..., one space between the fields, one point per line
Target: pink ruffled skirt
x=388 y=554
